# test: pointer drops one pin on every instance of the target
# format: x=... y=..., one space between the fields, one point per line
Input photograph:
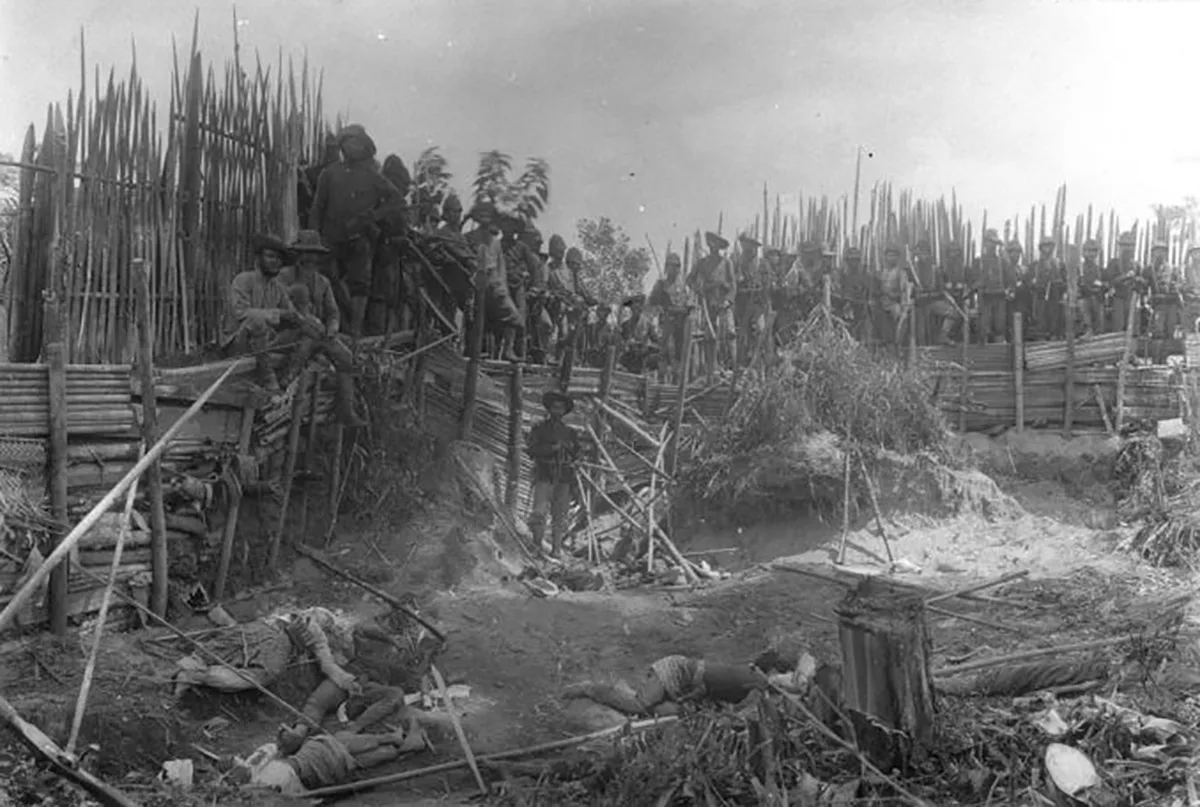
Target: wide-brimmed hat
x=1091 y=245
x=809 y=247
x=356 y=130
x=853 y=252
x=749 y=240
x=552 y=396
x=924 y=245
x=893 y=249
x=828 y=251
x=992 y=237
x=716 y=241
x=1014 y=246
x=1160 y=245
x=1127 y=240
x=672 y=258
x=1047 y=241
x=265 y=241
x=308 y=241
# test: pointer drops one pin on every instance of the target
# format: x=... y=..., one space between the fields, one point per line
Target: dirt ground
x=516 y=652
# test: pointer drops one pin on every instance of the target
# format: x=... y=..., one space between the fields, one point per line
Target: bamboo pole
x=555 y=745
x=1069 y=318
x=62 y=763
x=158 y=519
x=57 y=406
x=289 y=474
x=310 y=443
x=1018 y=365
x=84 y=526
x=1123 y=367
x=515 y=434
x=235 y=506
x=474 y=349
x=90 y=669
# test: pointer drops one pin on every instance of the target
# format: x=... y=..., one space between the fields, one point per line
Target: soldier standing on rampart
x=996 y=282
x=714 y=281
x=1167 y=296
x=1092 y=289
x=1050 y=287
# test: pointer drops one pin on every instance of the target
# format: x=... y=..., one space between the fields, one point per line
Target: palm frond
x=532 y=189
x=491 y=180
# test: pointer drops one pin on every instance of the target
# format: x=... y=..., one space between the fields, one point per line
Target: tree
x=612 y=268
x=524 y=197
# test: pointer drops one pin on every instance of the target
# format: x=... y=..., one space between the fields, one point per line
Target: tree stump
x=887 y=688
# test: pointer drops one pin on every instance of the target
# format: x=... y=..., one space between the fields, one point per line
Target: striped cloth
x=680 y=676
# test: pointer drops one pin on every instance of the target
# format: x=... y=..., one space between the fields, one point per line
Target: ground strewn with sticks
x=517 y=652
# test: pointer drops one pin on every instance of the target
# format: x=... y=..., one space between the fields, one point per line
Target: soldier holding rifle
x=1125 y=277
x=892 y=308
x=714 y=281
x=996 y=282
x=1092 y=289
x=670 y=297
x=958 y=292
x=1166 y=292
x=1050 y=288
x=555 y=448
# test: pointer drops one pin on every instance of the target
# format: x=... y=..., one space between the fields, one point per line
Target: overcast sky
x=663 y=113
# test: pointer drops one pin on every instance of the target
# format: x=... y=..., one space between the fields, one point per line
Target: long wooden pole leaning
x=57 y=397
x=554 y=745
x=235 y=507
x=154 y=485
x=1123 y=367
x=83 y=527
x=1018 y=365
x=63 y=764
x=667 y=543
x=90 y=670
x=458 y=729
x=474 y=349
x=289 y=471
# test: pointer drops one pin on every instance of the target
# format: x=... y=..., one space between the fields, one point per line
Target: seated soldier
x=261 y=317
x=319 y=319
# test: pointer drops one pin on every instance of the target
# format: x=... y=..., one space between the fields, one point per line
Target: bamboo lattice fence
x=112 y=183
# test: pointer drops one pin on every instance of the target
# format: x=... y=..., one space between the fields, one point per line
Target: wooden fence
x=1041 y=385
x=112 y=185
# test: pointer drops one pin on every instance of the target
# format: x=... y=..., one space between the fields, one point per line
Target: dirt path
x=516 y=652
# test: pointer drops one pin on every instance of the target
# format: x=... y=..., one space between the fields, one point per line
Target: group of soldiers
x=377 y=254
x=928 y=301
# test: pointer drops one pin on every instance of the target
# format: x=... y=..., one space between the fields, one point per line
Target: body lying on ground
x=674 y=680
x=326 y=760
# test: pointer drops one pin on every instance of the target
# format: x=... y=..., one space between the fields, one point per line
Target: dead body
x=674 y=680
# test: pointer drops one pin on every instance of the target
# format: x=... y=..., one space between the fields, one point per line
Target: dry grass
x=786 y=433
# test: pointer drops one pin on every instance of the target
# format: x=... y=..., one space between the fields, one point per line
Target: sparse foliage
x=526 y=196
x=432 y=176
x=612 y=267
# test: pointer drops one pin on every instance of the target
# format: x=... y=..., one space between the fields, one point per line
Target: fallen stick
x=996 y=661
x=62 y=763
x=875 y=507
x=316 y=558
x=81 y=529
x=556 y=745
x=90 y=670
x=783 y=567
x=841 y=558
x=458 y=729
x=866 y=763
x=966 y=618
x=688 y=573
x=949 y=595
x=654 y=535
x=627 y=423
x=271 y=696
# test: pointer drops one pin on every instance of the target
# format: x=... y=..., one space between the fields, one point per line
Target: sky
x=664 y=114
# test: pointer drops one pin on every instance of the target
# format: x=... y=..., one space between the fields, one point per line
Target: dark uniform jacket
x=352 y=200
x=554 y=447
